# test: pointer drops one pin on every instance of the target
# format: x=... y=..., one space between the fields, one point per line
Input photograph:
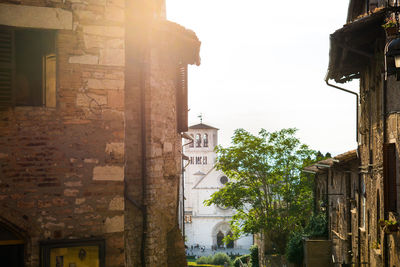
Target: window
x=198 y=140
x=223 y=180
x=89 y=252
x=230 y=243
x=27 y=68
x=220 y=237
x=198 y=160
x=188 y=218
x=205 y=160
x=389 y=177
x=363 y=200
x=205 y=140
x=191 y=144
x=181 y=98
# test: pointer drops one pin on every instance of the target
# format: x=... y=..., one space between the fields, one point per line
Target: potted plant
x=391 y=226
x=391 y=26
x=376 y=245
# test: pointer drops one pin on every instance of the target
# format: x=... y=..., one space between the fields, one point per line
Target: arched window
x=231 y=243
x=191 y=144
x=205 y=140
x=220 y=236
x=198 y=140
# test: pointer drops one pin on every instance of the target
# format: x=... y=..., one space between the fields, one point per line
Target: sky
x=263 y=65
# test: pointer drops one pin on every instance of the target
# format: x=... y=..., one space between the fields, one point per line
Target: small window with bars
x=198 y=160
x=27 y=67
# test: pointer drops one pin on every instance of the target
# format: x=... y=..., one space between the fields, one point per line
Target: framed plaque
x=73 y=253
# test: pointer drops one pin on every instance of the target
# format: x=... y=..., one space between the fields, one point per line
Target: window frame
x=205 y=140
x=198 y=140
x=49 y=56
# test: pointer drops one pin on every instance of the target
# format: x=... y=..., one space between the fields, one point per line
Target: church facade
x=206 y=226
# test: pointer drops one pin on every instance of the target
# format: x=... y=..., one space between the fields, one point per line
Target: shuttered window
x=389 y=176
x=6 y=67
x=182 y=98
x=27 y=67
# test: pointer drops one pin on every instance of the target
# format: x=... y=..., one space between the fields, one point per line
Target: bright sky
x=263 y=65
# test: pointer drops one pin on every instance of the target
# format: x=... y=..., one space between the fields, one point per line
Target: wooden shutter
x=6 y=68
x=389 y=177
x=49 y=80
x=182 y=99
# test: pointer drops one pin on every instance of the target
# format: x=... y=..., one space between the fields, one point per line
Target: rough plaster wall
x=60 y=168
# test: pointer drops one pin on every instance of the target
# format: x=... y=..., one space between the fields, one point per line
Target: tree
x=267 y=188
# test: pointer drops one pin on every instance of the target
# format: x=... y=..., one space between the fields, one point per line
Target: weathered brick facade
x=74 y=171
x=358 y=51
x=336 y=193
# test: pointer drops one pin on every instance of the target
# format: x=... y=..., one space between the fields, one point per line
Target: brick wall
x=65 y=170
x=62 y=168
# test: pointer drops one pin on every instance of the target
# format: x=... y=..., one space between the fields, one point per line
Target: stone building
x=93 y=101
x=336 y=193
x=206 y=226
x=358 y=51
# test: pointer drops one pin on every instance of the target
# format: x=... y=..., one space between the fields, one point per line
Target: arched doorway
x=11 y=247
x=231 y=242
x=220 y=237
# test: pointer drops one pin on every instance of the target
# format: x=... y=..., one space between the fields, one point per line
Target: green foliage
x=317 y=226
x=243 y=259
x=220 y=259
x=217 y=259
x=254 y=256
x=267 y=188
x=204 y=260
x=294 y=249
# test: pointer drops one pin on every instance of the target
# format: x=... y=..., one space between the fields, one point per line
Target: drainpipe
x=191 y=140
x=350 y=92
x=384 y=110
x=359 y=175
x=349 y=243
x=359 y=220
x=143 y=205
x=143 y=155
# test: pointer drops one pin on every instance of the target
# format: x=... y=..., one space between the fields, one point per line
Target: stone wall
x=66 y=171
x=153 y=72
x=62 y=168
